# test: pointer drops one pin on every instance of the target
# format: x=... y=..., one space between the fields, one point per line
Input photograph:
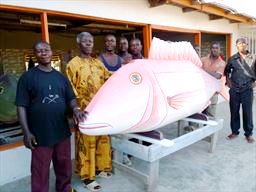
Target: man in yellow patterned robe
x=87 y=75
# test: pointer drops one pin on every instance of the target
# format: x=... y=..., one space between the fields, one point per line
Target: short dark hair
x=40 y=42
x=215 y=43
x=241 y=39
x=110 y=35
x=123 y=38
x=135 y=39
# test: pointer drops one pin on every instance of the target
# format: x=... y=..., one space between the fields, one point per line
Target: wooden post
x=147 y=37
x=1 y=65
x=229 y=45
x=198 y=42
x=44 y=26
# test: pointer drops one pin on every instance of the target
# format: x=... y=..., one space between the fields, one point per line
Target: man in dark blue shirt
x=43 y=96
x=241 y=75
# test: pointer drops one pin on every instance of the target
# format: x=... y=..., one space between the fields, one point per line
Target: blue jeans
x=246 y=99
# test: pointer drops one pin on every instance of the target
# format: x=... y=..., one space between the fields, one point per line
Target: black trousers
x=246 y=99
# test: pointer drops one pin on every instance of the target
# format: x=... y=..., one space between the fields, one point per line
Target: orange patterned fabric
x=92 y=153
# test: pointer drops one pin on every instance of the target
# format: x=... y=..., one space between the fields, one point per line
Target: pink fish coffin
x=150 y=93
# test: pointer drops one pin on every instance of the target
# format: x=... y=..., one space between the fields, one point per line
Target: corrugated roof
x=218 y=9
x=233 y=7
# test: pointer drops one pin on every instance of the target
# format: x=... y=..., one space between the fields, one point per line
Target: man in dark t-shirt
x=43 y=95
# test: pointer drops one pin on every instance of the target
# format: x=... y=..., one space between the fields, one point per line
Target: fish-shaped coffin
x=150 y=93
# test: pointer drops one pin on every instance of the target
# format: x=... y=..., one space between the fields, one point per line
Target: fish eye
x=135 y=78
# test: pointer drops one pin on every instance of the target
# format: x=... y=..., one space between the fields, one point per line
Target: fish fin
x=178 y=100
x=175 y=51
x=176 y=104
x=224 y=89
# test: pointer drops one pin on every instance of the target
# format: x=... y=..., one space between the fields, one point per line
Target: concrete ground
x=231 y=168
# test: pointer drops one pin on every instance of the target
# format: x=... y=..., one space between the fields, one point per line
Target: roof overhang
x=214 y=10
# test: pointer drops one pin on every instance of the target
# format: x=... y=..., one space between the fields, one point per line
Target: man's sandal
x=93 y=186
x=104 y=174
x=250 y=139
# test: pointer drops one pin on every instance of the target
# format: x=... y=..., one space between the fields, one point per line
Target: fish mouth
x=94 y=126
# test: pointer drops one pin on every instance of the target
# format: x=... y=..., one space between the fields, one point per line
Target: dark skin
x=43 y=54
x=242 y=50
x=86 y=46
x=215 y=51
x=123 y=47
x=136 y=48
x=214 y=55
x=110 y=46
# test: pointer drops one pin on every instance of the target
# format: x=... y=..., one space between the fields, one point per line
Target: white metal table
x=153 y=153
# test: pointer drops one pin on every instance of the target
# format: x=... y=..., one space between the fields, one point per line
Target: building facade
x=24 y=22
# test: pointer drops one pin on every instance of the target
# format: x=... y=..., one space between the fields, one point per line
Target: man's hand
x=217 y=75
x=29 y=140
x=228 y=82
x=79 y=115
